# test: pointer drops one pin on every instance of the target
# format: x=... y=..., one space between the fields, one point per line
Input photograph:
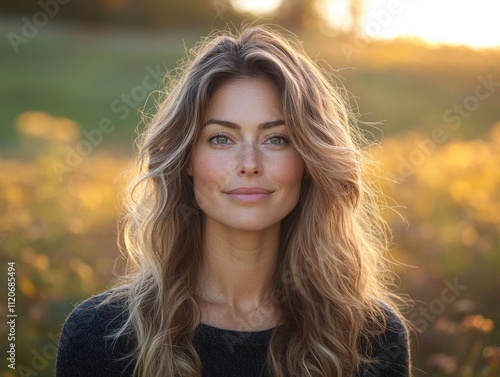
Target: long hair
x=331 y=272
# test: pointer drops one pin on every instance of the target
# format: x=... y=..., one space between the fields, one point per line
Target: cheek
x=210 y=175
x=288 y=171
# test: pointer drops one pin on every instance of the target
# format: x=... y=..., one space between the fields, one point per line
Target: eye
x=278 y=140
x=219 y=139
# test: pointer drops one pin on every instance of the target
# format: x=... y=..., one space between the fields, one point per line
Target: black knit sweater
x=84 y=351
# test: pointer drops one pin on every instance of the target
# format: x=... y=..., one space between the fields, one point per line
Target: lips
x=249 y=194
x=249 y=191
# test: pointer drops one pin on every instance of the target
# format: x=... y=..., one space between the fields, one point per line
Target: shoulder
x=390 y=348
x=95 y=317
x=84 y=344
x=394 y=324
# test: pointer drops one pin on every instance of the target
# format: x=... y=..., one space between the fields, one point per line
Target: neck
x=238 y=266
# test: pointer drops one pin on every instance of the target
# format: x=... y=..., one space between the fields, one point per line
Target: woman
x=254 y=240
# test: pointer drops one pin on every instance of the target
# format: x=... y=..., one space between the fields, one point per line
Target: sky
x=474 y=23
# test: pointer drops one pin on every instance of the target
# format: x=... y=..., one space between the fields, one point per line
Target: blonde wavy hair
x=331 y=273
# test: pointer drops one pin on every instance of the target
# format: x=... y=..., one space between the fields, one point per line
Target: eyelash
x=281 y=136
x=214 y=136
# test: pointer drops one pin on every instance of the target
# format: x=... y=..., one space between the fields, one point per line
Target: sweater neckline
x=214 y=334
x=218 y=329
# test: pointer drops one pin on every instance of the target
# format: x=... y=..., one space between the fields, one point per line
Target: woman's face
x=246 y=173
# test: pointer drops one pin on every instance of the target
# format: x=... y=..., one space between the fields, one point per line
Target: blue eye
x=278 y=140
x=219 y=139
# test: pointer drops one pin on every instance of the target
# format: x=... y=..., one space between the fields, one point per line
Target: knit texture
x=84 y=350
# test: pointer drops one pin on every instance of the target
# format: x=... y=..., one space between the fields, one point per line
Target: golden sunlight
x=457 y=22
x=256 y=6
x=46 y=126
x=473 y=23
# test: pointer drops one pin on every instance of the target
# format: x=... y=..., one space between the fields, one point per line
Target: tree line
x=296 y=15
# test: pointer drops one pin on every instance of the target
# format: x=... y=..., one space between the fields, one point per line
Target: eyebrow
x=262 y=126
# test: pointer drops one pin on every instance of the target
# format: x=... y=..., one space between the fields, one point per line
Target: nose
x=249 y=162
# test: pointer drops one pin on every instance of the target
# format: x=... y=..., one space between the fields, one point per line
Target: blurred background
x=75 y=76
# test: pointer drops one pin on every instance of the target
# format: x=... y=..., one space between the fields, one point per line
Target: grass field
x=78 y=73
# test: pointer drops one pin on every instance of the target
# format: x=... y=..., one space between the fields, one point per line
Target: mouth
x=249 y=191
x=249 y=194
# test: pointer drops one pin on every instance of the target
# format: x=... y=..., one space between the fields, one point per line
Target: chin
x=246 y=224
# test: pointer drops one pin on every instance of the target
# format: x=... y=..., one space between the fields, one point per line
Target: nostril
x=255 y=172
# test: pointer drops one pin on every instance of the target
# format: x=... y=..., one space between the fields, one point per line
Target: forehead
x=246 y=99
